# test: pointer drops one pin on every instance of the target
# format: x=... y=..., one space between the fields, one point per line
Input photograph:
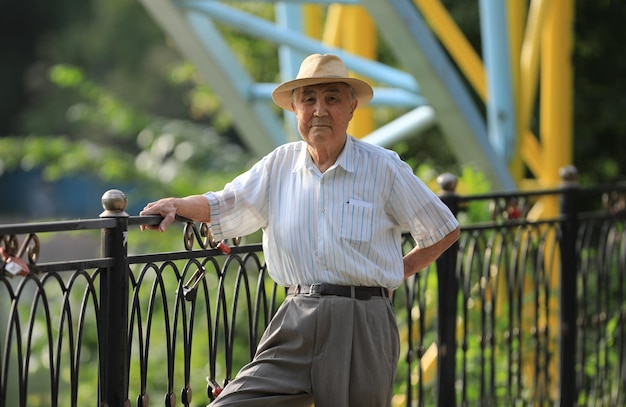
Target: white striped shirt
x=340 y=227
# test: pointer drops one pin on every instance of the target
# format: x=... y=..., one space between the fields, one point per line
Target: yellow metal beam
x=313 y=17
x=359 y=37
x=332 y=29
x=516 y=15
x=531 y=151
x=455 y=43
x=529 y=60
x=352 y=28
x=540 y=43
x=556 y=89
x=556 y=102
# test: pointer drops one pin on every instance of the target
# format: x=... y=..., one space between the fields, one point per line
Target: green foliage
x=61 y=157
x=163 y=156
x=105 y=110
x=473 y=182
x=470 y=182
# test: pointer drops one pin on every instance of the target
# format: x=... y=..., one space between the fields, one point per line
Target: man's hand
x=194 y=207
x=419 y=258
x=165 y=207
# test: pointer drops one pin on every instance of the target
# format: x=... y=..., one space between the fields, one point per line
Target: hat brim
x=282 y=95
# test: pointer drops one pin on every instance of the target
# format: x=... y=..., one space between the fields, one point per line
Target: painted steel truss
x=440 y=72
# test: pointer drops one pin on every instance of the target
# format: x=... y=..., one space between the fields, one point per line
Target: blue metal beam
x=384 y=97
x=463 y=125
x=202 y=44
x=496 y=56
x=262 y=28
x=191 y=24
x=409 y=125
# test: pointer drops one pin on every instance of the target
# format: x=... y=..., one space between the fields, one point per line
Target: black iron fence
x=528 y=308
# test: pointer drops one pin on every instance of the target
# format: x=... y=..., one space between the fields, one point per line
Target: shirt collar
x=345 y=159
x=303 y=160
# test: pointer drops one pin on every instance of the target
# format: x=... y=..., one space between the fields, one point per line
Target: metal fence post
x=113 y=335
x=567 y=334
x=448 y=288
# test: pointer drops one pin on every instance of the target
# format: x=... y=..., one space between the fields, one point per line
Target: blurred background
x=93 y=96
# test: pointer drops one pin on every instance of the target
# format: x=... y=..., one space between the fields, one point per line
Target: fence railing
x=522 y=310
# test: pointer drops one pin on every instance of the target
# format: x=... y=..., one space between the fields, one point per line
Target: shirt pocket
x=357 y=221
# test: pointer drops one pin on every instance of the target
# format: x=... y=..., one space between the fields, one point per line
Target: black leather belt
x=351 y=291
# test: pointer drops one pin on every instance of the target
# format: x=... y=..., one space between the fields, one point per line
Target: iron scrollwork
x=12 y=253
x=509 y=209
x=614 y=202
x=202 y=235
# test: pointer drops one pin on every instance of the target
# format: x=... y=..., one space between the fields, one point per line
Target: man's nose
x=320 y=108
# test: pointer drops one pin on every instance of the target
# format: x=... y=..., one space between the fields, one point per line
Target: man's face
x=323 y=112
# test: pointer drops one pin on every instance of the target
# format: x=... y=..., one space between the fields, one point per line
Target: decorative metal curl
x=12 y=252
x=33 y=248
x=509 y=209
x=30 y=245
x=10 y=244
x=614 y=202
x=203 y=236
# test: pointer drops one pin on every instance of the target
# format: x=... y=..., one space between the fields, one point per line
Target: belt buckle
x=315 y=290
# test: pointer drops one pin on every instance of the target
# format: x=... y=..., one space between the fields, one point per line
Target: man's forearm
x=194 y=207
x=419 y=258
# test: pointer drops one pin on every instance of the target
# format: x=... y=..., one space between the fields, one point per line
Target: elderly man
x=332 y=209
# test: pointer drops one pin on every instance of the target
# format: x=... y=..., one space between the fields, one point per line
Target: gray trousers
x=327 y=351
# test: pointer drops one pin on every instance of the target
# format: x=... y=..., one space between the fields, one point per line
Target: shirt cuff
x=214 y=207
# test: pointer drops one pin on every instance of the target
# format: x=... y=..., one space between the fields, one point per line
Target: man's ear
x=355 y=103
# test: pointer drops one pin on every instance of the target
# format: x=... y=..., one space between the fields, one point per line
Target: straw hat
x=317 y=69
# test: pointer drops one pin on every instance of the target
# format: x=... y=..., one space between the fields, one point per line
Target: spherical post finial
x=447 y=182
x=568 y=174
x=114 y=203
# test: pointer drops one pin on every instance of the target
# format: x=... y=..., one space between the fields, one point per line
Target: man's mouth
x=320 y=124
